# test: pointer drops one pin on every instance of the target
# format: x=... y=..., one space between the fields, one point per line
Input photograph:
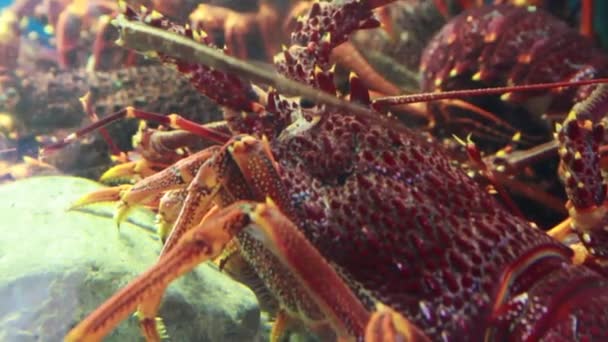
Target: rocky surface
x=57 y=265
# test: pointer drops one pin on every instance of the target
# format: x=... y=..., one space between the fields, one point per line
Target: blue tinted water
x=33 y=25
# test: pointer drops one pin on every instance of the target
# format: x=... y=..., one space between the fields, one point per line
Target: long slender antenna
x=144 y=38
x=428 y=97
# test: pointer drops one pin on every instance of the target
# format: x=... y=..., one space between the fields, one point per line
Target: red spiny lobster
x=505 y=44
x=354 y=224
x=508 y=45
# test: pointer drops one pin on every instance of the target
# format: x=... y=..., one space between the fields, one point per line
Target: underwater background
x=63 y=252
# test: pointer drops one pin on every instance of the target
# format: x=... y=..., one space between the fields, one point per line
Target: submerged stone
x=56 y=266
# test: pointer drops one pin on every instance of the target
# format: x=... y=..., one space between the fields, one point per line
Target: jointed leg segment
x=203 y=231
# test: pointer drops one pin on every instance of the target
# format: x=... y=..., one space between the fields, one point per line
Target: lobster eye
x=306 y=103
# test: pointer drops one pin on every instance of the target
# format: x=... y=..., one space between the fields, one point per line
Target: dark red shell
x=402 y=223
x=406 y=225
x=507 y=45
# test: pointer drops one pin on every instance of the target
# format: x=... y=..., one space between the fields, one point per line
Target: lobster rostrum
x=358 y=228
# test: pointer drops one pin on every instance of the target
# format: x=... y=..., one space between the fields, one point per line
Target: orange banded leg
x=168 y=211
x=89 y=108
x=70 y=22
x=198 y=245
x=265 y=223
x=561 y=232
x=111 y=194
x=176 y=176
x=243 y=168
x=159 y=149
x=197 y=205
x=131 y=171
x=220 y=179
x=280 y=326
x=236 y=26
x=148 y=190
x=386 y=325
x=172 y=120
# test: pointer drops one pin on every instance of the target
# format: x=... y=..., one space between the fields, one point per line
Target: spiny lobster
x=499 y=45
x=355 y=225
x=512 y=45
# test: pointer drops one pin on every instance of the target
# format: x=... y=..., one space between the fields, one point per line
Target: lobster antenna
x=428 y=97
x=144 y=38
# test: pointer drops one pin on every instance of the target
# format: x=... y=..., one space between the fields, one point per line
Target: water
x=58 y=265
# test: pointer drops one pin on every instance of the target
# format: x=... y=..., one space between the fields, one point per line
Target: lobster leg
x=171 y=120
x=220 y=180
x=175 y=177
x=158 y=149
x=201 y=244
x=168 y=211
x=580 y=137
x=236 y=26
x=265 y=223
x=209 y=183
x=149 y=189
x=111 y=194
x=387 y=325
x=132 y=170
x=70 y=23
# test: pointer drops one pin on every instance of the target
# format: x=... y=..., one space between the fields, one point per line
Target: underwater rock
x=56 y=266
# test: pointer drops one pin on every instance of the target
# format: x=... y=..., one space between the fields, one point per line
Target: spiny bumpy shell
x=508 y=45
x=391 y=212
x=403 y=222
